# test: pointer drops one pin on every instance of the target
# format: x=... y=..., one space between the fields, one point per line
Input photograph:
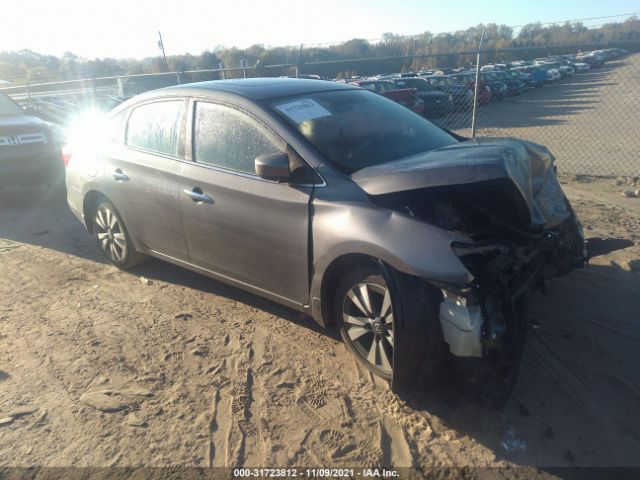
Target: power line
x=579 y=20
x=411 y=36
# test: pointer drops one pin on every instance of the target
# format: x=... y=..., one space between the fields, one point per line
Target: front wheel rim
x=110 y=234
x=367 y=315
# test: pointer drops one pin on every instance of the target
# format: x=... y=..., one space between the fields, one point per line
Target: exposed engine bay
x=522 y=232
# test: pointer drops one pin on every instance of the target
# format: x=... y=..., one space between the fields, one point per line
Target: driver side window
x=227 y=138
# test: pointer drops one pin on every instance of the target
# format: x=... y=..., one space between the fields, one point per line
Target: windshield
x=418 y=83
x=438 y=82
x=357 y=129
x=9 y=107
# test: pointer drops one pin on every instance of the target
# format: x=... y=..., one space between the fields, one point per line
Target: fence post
x=475 y=90
x=93 y=89
x=178 y=78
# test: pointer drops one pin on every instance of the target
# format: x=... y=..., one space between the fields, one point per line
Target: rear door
x=143 y=175
x=245 y=228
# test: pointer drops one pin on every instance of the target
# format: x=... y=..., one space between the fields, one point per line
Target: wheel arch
x=336 y=269
x=89 y=202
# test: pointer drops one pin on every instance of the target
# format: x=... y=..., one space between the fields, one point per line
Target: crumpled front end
x=503 y=195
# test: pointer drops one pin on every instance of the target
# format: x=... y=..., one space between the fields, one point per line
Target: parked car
x=523 y=77
x=469 y=81
x=387 y=88
x=553 y=74
x=341 y=204
x=462 y=95
x=436 y=103
x=581 y=67
x=514 y=87
x=497 y=88
x=566 y=69
x=593 y=61
x=538 y=76
x=29 y=150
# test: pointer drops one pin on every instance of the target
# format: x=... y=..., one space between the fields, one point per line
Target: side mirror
x=273 y=166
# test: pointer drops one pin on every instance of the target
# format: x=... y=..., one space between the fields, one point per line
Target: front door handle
x=120 y=176
x=197 y=196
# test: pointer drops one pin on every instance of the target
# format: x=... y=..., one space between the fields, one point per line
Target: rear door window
x=155 y=127
x=227 y=138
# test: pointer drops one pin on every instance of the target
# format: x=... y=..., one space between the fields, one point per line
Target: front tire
x=113 y=238
x=364 y=312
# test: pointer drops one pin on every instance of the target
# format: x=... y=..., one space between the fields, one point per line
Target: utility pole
x=161 y=46
x=298 y=60
x=475 y=90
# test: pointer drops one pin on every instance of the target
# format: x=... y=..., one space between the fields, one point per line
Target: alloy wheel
x=367 y=315
x=110 y=234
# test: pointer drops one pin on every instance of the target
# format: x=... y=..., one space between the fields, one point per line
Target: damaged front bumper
x=472 y=316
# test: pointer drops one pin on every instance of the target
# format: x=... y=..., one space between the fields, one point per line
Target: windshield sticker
x=301 y=110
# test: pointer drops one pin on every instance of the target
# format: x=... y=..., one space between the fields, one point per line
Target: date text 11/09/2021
x=314 y=473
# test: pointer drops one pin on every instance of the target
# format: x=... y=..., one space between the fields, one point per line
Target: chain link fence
x=581 y=101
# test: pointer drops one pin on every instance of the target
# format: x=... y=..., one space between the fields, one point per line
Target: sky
x=128 y=28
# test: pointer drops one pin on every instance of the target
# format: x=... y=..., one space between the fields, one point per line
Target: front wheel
x=113 y=238
x=364 y=312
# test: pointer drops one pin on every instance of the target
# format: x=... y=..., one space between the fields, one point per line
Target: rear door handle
x=197 y=196
x=120 y=176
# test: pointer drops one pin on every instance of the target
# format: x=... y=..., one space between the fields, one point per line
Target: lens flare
x=86 y=135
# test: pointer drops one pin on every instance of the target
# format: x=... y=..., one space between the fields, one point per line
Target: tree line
x=391 y=53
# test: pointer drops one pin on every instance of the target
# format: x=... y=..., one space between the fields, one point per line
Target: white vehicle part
x=461 y=327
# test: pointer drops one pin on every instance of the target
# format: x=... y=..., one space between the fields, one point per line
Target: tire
x=364 y=313
x=499 y=390
x=113 y=237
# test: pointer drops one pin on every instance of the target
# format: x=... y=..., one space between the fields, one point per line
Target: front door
x=237 y=225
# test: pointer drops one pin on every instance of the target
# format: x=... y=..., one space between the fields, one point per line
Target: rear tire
x=113 y=237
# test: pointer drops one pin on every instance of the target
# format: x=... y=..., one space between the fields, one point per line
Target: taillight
x=66 y=155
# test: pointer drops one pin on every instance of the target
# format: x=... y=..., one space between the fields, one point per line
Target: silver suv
x=28 y=150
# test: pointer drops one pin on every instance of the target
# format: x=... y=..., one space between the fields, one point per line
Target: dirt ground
x=160 y=366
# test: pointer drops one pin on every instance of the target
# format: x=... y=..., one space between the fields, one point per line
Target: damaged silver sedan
x=420 y=246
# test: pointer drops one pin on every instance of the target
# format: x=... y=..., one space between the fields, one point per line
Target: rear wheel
x=113 y=238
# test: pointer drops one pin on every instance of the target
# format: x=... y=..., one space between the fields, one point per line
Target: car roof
x=372 y=82
x=256 y=89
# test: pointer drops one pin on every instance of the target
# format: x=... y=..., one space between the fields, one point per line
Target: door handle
x=120 y=176
x=197 y=196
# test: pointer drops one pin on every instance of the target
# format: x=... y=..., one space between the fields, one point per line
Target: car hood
x=21 y=124
x=527 y=165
